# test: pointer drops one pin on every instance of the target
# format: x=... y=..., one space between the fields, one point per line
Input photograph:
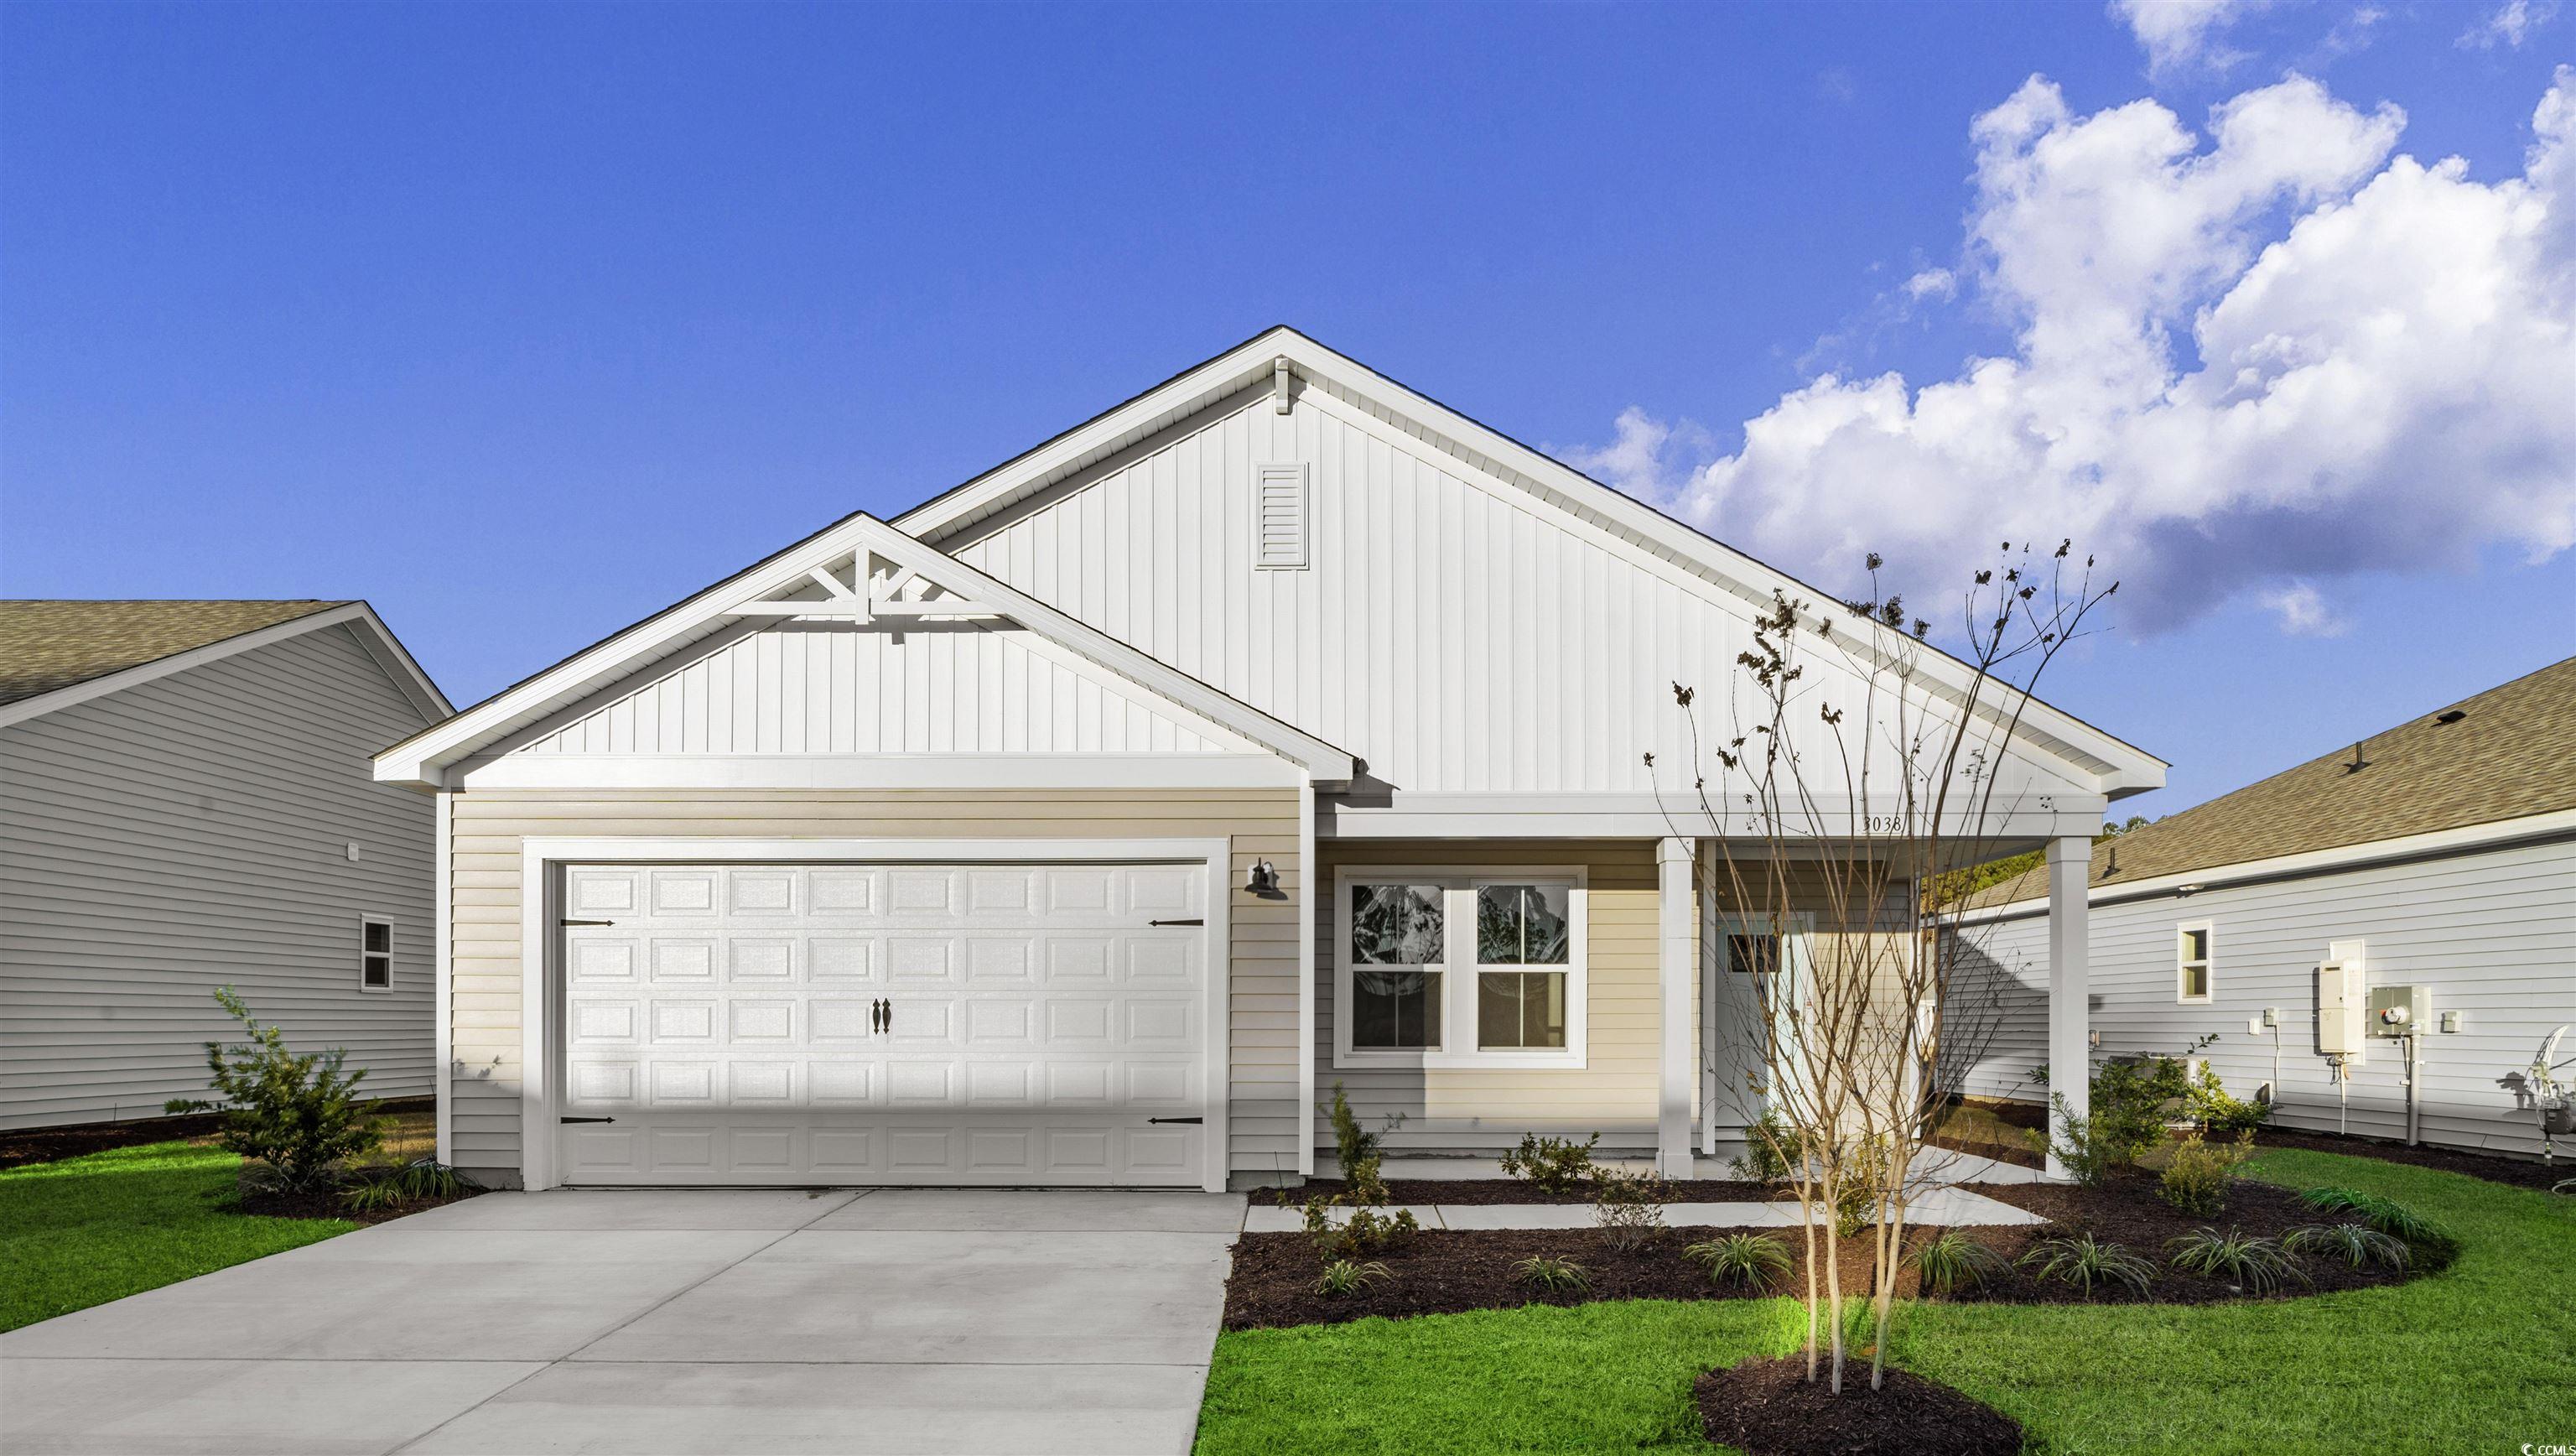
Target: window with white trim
x=375 y=954
x=1459 y=968
x=2192 y=962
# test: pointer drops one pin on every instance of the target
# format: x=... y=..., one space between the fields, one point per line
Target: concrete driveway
x=901 y=1320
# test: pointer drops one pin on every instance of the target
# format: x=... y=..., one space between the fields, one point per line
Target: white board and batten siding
x=1445 y=626
x=191 y=832
x=837 y=688
x=2493 y=934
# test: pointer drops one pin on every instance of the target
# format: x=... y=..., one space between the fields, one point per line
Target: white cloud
x=1932 y=283
x=2242 y=368
x=2182 y=34
x=2303 y=611
x=2511 y=22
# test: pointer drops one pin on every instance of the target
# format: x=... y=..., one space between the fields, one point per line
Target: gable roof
x=54 y=653
x=2506 y=756
x=2114 y=767
x=422 y=758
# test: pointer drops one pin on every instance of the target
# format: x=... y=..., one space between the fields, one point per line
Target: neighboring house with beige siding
x=1279 y=727
x=2439 y=854
x=186 y=803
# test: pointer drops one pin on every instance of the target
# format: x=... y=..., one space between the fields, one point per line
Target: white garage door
x=915 y=1023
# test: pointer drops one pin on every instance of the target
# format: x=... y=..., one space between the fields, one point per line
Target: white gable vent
x=1279 y=517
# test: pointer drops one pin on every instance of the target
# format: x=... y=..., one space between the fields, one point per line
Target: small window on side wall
x=2193 y=953
x=375 y=954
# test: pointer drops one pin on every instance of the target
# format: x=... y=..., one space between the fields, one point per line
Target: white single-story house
x=2430 y=868
x=186 y=803
x=1032 y=837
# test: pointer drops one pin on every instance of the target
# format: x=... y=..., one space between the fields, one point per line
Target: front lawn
x=2473 y=1358
x=90 y=1229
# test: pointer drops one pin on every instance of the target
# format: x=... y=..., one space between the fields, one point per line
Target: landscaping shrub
x=1558 y=1276
x=1861 y=1189
x=1359 y=1149
x=1555 y=1165
x=419 y=1179
x=1366 y=1231
x=298 y=1116
x=1952 y=1260
x=2076 y=1144
x=1752 y=1261
x=1769 y=1146
x=2219 y=1114
x=2354 y=1243
x=2255 y=1265
x=1343 y=1276
x=2196 y=1180
x=1629 y=1207
x=2386 y=1215
x=2084 y=1262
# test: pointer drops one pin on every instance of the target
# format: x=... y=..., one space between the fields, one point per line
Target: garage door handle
x=881 y=1016
x=1176 y=922
x=569 y=924
x=585 y=1119
x=1192 y=1121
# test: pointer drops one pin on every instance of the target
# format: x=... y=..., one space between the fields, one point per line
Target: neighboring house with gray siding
x=186 y=803
x=2440 y=853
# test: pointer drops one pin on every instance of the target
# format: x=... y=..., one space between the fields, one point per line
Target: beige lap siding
x=1614 y=1093
x=490 y=824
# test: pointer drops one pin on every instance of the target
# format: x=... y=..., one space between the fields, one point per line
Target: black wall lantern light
x=1263 y=879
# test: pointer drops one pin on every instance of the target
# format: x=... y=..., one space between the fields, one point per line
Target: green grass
x=2472 y=1359
x=87 y=1230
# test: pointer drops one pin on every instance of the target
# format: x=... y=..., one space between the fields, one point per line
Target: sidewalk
x=1950 y=1205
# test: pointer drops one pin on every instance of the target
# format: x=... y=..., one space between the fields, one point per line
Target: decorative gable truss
x=875 y=587
x=858 y=656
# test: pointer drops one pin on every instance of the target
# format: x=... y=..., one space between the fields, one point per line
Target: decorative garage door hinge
x=1192 y=1121
x=568 y=924
x=1176 y=922
x=585 y=1119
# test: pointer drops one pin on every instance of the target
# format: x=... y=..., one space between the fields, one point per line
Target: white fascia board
x=1405 y=815
x=2130 y=770
x=425 y=758
x=2467 y=839
x=378 y=640
x=876 y=771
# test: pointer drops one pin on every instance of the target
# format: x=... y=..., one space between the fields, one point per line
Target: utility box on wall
x=2401 y=1010
x=2342 y=1004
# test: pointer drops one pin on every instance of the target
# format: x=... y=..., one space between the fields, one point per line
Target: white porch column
x=2070 y=1020
x=1676 y=969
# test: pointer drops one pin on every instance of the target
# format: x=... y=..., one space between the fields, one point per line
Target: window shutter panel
x=1279 y=517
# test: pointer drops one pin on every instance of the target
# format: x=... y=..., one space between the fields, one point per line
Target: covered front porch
x=1475 y=977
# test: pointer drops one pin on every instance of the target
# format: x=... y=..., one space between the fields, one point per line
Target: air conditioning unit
x=2343 y=1003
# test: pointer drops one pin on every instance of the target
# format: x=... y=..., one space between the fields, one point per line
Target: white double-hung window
x=1458 y=968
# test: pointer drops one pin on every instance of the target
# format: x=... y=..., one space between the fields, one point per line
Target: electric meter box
x=2340 y=1006
x=2401 y=1010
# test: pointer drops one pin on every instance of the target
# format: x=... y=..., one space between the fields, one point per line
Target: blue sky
x=522 y=323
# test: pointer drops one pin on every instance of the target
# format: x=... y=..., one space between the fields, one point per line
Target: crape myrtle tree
x=1855 y=800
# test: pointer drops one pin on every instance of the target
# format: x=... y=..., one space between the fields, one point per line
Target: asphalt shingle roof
x=46 y=646
x=2510 y=752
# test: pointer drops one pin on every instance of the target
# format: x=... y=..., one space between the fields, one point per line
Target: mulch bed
x=53 y=1144
x=2127 y=1211
x=1444 y=1271
x=2517 y=1172
x=2494 y=1168
x=1416 y=1192
x=327 y=1204
x=1771 y=1408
